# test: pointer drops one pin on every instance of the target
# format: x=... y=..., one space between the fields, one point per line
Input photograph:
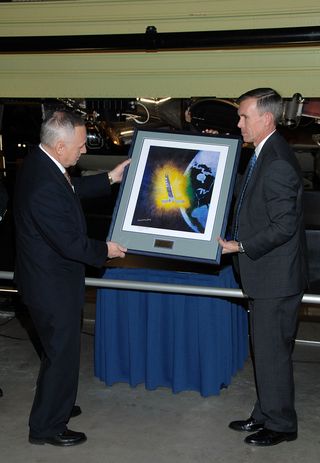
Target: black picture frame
x=175 y=197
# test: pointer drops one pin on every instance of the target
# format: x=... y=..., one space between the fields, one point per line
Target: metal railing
x=172 y=288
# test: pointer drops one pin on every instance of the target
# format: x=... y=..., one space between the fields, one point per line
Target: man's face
x=253 y=125
x=71 y=149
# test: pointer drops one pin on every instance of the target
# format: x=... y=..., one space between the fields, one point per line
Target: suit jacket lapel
x=56 y=172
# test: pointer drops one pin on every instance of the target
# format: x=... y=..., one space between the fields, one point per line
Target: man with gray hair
x=52 y=251
x=270 y=247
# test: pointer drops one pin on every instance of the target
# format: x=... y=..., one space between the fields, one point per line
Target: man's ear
x=59 y=147
x=269 y=118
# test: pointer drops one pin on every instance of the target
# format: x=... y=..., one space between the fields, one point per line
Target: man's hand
x=115 y=250
x=117 y=173
x=228 y=247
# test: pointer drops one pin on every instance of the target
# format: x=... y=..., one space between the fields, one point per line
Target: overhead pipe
x=152 y=40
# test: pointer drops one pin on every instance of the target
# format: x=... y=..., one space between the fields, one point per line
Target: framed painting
x=175 y=197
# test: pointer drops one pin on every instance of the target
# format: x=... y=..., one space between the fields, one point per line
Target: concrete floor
x=126 y=424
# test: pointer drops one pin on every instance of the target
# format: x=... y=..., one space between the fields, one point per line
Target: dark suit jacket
x=271 y=225
x=51 y=235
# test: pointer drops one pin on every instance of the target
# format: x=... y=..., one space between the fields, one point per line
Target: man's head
x=260 y=110
x=63 y=134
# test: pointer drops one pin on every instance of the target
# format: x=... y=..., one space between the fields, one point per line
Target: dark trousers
x=273 y=325
x=59 y=371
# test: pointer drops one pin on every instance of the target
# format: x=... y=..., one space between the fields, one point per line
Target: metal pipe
x=152 y=40
x=8 y=290
x=170 y=288
x=165 y=287
x=304 y=342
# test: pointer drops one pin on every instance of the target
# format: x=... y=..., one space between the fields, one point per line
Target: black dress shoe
x=76 y=411
x=266 y=437
x=249 y=425
x=64 y=439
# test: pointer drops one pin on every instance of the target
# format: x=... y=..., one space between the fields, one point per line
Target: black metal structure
x=152 y=40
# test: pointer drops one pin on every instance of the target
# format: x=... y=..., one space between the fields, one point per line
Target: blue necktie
x=251 y=165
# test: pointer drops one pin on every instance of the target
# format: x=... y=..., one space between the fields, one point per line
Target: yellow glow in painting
x=170 y=188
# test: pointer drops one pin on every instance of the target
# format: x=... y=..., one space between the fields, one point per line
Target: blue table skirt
x=183 y=342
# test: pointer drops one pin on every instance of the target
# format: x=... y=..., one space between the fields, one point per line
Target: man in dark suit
x=52 y=251
x=271 y=250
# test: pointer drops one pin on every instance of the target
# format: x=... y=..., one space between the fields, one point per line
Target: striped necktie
x=251 y=165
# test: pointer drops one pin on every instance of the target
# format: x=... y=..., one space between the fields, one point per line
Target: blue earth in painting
x=201 y=172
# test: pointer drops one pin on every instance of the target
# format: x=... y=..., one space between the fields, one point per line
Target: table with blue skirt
x=183 y=342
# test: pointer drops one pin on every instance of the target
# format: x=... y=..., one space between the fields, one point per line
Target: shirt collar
x=259 y=147
x=63 y=170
